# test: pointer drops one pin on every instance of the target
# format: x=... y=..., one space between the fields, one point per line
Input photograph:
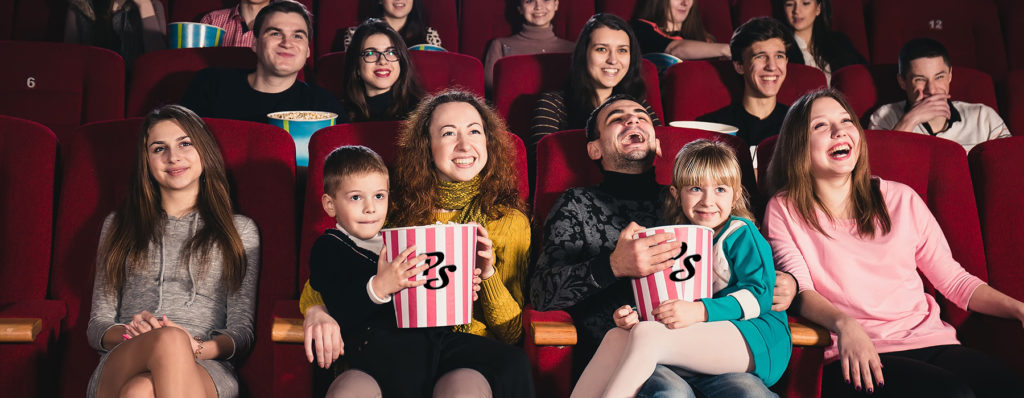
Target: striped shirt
x=236 y=33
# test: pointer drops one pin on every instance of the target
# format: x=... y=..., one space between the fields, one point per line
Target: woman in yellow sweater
x=455 y=164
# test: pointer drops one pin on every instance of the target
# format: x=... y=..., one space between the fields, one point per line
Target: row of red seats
x=980 y=35
x=65 y=85
x=94 y=164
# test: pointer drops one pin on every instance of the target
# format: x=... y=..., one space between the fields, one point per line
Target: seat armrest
x=809 y=334
x=287 y=326
x=20 y=330
x=553 y=333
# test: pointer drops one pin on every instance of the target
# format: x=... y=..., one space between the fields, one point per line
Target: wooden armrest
x=553 y=333
x=20 y=330
x=809 y=334
x=286 y=330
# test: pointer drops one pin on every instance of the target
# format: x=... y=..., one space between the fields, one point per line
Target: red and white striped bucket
x=690 y=277
x=447 y=299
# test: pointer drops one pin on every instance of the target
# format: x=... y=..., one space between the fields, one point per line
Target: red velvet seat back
x=97 y=164
x=1011 y=12
x=28 y=157
x=970 y=32
x=716 y=14
x=381 y=137
x=37 y=20
x=937 y=170
x=520 y=79
x=333 y=17
x=162 y=77
x=436 y=70
x=567 y=165
x=695 y=88
x=869 y=87
x=61 y=85
x=1014 y=112
x=484 y=20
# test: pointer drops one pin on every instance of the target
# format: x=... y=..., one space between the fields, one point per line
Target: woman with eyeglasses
x=381 y=83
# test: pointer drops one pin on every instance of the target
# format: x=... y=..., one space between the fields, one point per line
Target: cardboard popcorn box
x=447 y=298
x=690 y=277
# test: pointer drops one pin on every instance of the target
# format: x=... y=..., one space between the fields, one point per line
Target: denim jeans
x=666 y=383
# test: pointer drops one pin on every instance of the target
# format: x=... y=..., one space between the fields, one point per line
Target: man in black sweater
x=589 y=254
x=282 y=40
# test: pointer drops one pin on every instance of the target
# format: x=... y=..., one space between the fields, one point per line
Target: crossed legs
x=156 y=363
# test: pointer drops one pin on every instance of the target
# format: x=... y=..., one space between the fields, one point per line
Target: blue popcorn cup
x=301 y=125
x=427 y=47
x=193 y=35
x=662 y=60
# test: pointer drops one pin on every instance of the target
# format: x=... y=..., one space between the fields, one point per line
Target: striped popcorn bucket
x=689 y=278
x=447 y=298
x=192 y=35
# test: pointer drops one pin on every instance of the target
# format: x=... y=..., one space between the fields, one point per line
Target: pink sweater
x=875 y=280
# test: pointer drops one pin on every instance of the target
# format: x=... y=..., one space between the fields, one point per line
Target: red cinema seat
x=61 y=85
x=695 y=88
x=715 y=14
x=436 y=70
x=28 y=157
x=37 y=20
x=97 y=163
x=1011 y=12
x=870 y=86
x=335 y=16
x=193 y=10
x=485 y=20
x=970 y=33
x=567 y=165
x=995 y=165
x=162 y=77
x=520 y=79
x=1014 y=112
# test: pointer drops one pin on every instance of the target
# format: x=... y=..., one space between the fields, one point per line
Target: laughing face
x=457 y=141
x=763 y=68
x=834 y=140
x=283 y=46
x=626 y=141
x=173 y=162
x=378 y=77
x=608 y=57
x=397 y=9
x=538 y=12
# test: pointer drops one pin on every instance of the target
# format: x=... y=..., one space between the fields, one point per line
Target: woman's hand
x=320 y=327
x=485 y=252
x=476 y=283
x=142 y=323
x=625 y=317
x=166 y=322
x=857 y=356
x=678 y=314
x=394 y=276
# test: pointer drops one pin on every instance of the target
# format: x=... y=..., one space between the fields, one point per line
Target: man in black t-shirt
x=759 y=54
x=283 y=32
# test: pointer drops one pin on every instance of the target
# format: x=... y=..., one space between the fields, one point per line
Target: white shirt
x=970 y=124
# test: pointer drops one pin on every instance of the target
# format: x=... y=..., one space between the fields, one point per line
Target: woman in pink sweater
x=855 y=245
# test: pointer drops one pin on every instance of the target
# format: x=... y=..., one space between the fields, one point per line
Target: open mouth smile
x=840 y=151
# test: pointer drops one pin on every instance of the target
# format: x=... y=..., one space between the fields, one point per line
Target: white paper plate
x=708 y=126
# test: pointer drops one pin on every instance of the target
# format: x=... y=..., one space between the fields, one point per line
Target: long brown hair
x=691 y=28
x=406 y=91
x=138 y=221
x=415 y=189
x=702 y=159
x=789 y=173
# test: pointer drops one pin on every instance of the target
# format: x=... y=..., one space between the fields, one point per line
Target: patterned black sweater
x=573 y=272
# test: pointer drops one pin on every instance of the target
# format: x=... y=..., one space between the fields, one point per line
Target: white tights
x=627 y=358
x=459 y=383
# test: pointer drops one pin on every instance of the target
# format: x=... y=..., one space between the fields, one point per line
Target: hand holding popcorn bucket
x=690 y=276
x=447 y=297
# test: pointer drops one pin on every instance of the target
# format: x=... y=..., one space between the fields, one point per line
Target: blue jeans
x=666 y=383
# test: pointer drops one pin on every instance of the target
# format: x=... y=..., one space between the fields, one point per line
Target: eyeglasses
x=371 y=56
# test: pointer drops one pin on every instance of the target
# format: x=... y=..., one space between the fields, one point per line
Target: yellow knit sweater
x=498 y=312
